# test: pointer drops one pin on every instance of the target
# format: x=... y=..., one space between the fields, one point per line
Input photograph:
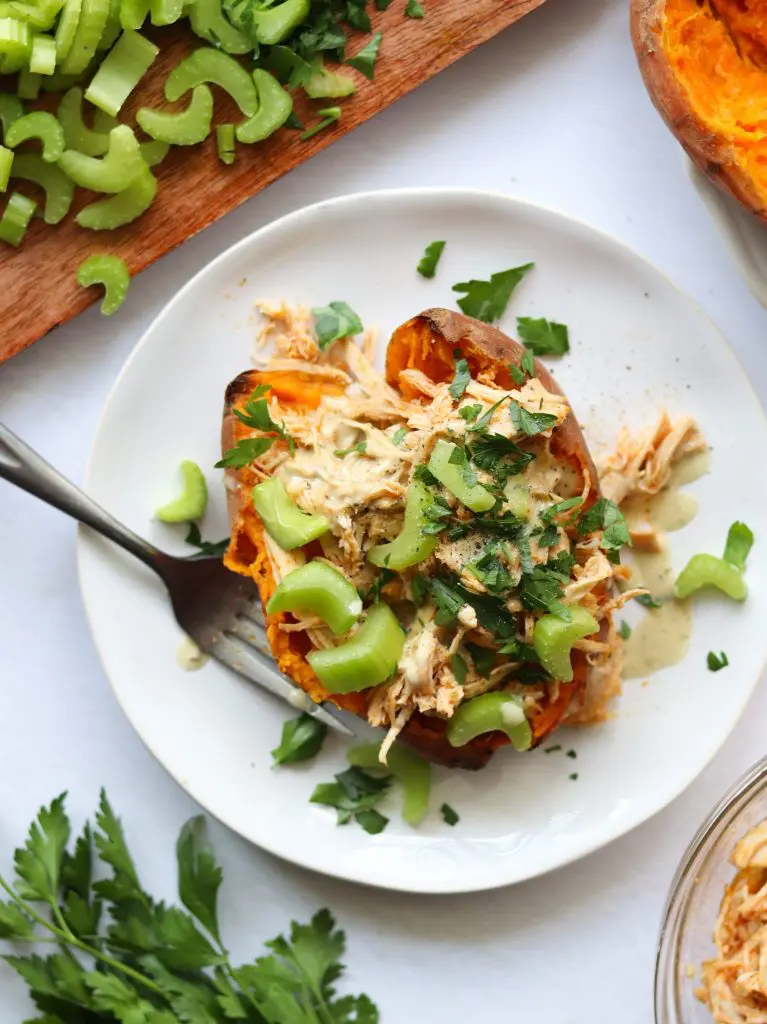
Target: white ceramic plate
x=637 y=344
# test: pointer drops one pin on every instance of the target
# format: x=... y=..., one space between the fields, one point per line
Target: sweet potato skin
x=709 y=151
x=426 y=342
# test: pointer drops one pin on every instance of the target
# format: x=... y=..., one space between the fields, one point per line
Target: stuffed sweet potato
x=704 y=63
x=457 y=491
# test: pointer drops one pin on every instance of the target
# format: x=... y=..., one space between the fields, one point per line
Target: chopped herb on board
x=414 y=9
x=328 y=115
x=427 y=266
x=365 y=60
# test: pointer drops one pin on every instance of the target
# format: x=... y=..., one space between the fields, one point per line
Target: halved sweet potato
x=428 y=343
x=704 y=63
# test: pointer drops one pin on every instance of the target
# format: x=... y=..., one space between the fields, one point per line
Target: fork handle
x=21 y=465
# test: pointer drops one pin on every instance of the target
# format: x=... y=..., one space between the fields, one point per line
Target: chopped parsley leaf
x=499 y=456
x=550 y=513
x=365 y=60
x=563 y=564
x=354 y=794
x=483 y=422
x=572 y=754
x=554 y=749
x=541 y=589
x=624 y=630
x=459 y=668
x=360 y=449
x=338 y=320
x=425 y=475
x=518 y=375
x=447 y=599
x=715 y=662
x=482 y=657
x=399 y=436
x=470 y=412
x=450 y=596
x=419 y=588
x=739 y=542
x=492 y=572
x=427 y=266
x=543 y=337
x=301 y=740
x=573 y=777
x=214 y=549
x=448 y=815
x=549 y=536
x=373 y=593
x=413 y=10
x=528 y=362
x=487 y=300
x=530 y=423
x=647 y=601
x=606 y=516
x=245 y=452
x=519 y=650
x=255 y=414
x=462 y=377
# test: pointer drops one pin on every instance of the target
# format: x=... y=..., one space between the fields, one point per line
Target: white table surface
x=552 y=110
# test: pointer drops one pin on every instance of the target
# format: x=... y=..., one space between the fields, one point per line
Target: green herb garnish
x=547 y=515
x=338 y=320
x=543 y=337
x=527 y=363
x=470 y=412
x=123 y=956
x=573 y=777
x=399 y=436
x=427 y=265
x=739 y=542
x=414 y=9
x=483 y=657
x=624 y=630
x=572 y=754
x=245 y=452
x=214 y=549
x=717 y=662
x=355 y=794
x=647 y=601
x=487 y=300
x=499 y=456
x=448 y=815
x=518 y=375
x=255 y=414
x=359 y=449
x=365 y=60
x=606 y=516
x=530 y=423
x=301 y=740
x=462 y=377
x=459 y=668
x=541 y=589
x=328 y=115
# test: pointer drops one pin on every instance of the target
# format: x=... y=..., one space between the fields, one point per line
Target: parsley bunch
x=149 y=963
x=255 y=414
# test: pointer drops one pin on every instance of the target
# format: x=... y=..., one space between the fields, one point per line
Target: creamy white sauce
x=189 y=656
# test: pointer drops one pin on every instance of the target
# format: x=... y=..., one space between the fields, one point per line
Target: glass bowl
x=696 y=892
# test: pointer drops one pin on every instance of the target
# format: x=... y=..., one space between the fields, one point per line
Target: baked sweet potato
x=430 y=343
x=704 y=63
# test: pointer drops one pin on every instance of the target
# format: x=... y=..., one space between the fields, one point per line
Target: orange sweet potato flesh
x=704 y=63
x=427 y=342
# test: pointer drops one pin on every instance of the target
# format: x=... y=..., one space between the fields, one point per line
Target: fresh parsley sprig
x=255 y=415
x=487 y=300
x=543 y=337
x=125 y=957
x=335 y=321
x=427 y=265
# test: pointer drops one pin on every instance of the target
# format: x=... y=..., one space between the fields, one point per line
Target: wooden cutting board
x=38 y=290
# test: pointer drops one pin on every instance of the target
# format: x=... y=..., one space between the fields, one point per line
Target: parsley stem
x=67 y=936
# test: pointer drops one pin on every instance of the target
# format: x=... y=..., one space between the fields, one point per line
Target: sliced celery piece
x=15 y=39
x=184 y=128
x=58 y=82
x=113 y=28
x=112 y=272
x=329 y=85
x=154 y=152
x=90 y=26
x=40 y=15
x=121 y=71
x=77 y=135
x=133 y=13
x=122 y=208
x=67 y=27
x=59 y=189
x=6 y=160
x=16 y=218
x=207 y=65
x=11 y=109
x=225 y=143
x=274 y=25
x=11 y=63
x=275 y=106
x=104 y=123
x=43 y=58
x=39 y=124
x=208 y=22
x=110 y=173
x=166 y=12
x=28 y=85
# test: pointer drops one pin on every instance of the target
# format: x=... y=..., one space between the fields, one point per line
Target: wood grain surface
x=38 y=290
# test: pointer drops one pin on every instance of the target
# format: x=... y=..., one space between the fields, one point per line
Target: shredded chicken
x=734 y=982
x=352 y=461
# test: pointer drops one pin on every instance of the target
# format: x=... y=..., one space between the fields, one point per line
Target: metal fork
x=219 y=609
